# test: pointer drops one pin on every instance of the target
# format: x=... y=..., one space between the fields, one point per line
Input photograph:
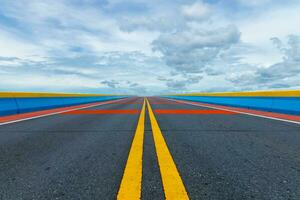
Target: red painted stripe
x=100 y=112
x=164 y=102
x=249 y=111
x=131 y=101
x=128 y=103
x=195 y=112
x=36 y=114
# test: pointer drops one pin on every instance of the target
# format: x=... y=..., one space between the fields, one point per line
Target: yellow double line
x=131 y=183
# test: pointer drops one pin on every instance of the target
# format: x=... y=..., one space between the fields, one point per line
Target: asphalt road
x=83 y=156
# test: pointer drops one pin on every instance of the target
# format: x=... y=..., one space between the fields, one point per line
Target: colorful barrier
x=274 y=101
x=15 y=103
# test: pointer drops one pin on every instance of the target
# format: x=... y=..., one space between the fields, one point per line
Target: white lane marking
x=240 y=112
x=59 y=112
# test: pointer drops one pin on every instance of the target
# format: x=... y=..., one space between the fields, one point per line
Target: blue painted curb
x=9 y=106
x=287 y=105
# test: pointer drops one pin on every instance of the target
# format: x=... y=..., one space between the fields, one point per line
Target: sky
x=144 y=47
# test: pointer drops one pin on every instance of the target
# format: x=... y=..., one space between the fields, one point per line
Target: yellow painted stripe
x=278 y=93
x=172 y=183
x=45 y=94
x=42 y=94
x=131 y=184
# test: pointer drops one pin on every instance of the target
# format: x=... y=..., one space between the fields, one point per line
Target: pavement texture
x=83 y=156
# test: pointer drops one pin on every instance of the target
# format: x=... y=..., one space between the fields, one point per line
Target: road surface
x=164 y=149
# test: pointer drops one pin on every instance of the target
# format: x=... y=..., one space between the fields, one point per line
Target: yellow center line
x=172 y=183
x=131 y=184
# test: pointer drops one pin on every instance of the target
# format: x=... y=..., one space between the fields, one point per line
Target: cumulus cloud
x=126 y=70
x=110 y=83
x=197 y=11
x=181 y=83
x=253 y=2
x=162 y=24
x=149 y=47
x=283 y=74
x=125 y=87
x=192 y=49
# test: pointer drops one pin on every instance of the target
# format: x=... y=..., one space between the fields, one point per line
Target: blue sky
x=149 y=47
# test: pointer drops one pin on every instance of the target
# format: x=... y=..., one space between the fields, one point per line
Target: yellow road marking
x=131 y=184
x=172 y=183
x=270 y=93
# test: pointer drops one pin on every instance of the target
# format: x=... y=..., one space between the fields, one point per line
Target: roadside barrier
x=15 y=103
x=274 y=101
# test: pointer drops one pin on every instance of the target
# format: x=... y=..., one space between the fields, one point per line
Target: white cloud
x=191 y=50
x=14 y=47
x=197 y=11
x=257 y=29
x=253 y=2
x=199 y=45
x=285 y=73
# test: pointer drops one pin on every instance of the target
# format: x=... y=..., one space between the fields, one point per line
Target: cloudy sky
x=149 y=47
